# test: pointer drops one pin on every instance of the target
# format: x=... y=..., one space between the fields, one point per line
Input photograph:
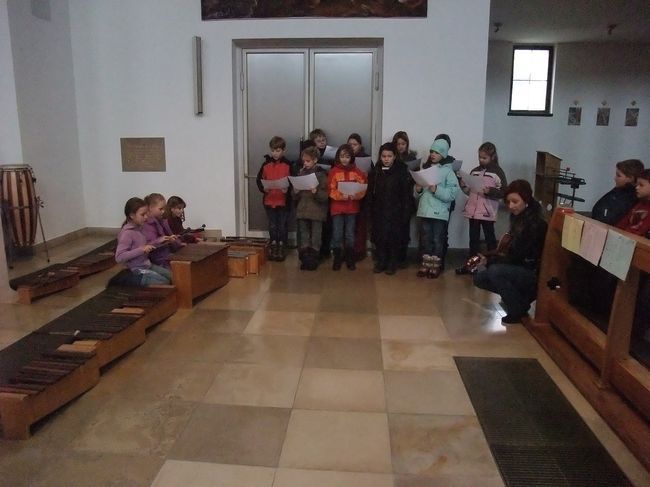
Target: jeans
x=516 y=285
x=341 y=224
x=309 y=233
x=155 y=275
x=435 y=236
x=278 y=228
x=475 y=235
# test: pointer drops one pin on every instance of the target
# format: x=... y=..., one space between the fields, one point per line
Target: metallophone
x=61 y=360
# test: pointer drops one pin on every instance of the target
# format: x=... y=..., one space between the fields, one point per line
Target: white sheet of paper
x=330 y=153
x=476 y=184
x=414 y=164
x=617 y=254
x=456 y=165
x=350 y=188
x=593 y=242
x=306 y=182
x=363 y=163
x=281 y=183
x=426 y=177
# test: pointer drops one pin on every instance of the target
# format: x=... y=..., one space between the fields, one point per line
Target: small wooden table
x=198 y=269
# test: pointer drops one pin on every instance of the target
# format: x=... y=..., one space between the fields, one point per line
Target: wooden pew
x=198 y=269
x=598 y=363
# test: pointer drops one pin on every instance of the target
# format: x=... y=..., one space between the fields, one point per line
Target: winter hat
x=441 y=147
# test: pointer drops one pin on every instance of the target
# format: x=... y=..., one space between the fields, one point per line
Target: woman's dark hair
x=131 y=207
x=344 y=148
x=491 y=150
x=522 y=188
x=174 y=202
x=404 y=136
x=389 y=146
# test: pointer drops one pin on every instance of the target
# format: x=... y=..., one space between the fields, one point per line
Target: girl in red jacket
x=344 y=208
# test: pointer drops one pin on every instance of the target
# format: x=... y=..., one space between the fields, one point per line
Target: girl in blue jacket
x=433 y=210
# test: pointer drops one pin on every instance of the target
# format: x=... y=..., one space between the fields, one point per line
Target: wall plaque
x=143 y=154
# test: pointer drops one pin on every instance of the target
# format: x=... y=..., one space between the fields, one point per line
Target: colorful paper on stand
x=617 y=254
x=572 y=233
x=592 y=242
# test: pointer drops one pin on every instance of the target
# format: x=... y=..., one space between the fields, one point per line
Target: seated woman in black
x=512 y=273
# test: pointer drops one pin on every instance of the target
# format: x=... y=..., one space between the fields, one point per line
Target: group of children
x=329 y=218
x=153 y=229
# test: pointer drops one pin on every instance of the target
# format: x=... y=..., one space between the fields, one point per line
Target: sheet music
x=572 y=233
x=306 y=182
x=476 y=184
x=330 y=153
x=350 y=188
x=617 y=254
x=426 y=177
x=363 y=163
x=593 y=242
x=282 y=183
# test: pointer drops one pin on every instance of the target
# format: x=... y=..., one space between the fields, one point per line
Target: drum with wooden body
x=18 y=196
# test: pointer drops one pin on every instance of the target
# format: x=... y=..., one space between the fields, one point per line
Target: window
x=532 y=80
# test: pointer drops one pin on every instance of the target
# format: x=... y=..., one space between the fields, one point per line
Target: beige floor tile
x=240 y=435
x=448 y=481
x=432 y=392
x=417 y=328
x=265 y=322
x=416 y=357
x=326 y=440
x=288 y=351
x=397 y=305
x=307 y=284
x=341 y=390
x=348 y=299
x=208 y=321
x=189 y=346
x=346 y=325
x=136 y=427
x=290 y=301
x=254 y=385
x=286 y=477
x=233 y=300
x=176 y=473
x=344 y=353
x=427 y=445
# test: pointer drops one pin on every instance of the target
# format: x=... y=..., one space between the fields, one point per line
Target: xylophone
x=91 y=264
x=250 y=244
x=52 y=279
x=62 y=359
x=197 y=270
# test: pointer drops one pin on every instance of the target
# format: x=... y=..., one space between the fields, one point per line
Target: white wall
x=10 y=149
x=590 y=73
x=43 y=72
x=133 y=78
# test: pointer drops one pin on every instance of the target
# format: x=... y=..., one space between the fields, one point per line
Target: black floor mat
x=535 y=435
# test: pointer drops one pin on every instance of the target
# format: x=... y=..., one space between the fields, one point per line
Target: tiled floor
x=325 y=379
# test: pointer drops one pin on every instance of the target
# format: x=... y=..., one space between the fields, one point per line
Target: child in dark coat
x=615 y=204
x=390 y=197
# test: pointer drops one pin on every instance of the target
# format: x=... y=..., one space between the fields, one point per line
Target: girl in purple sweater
x=132 y=248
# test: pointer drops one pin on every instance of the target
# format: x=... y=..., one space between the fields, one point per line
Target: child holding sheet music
x=361 y=225
x=311 y=210
x=344 y=205
x=433 y=210
x=390 y=194
x=483 y=203
x=276 y=167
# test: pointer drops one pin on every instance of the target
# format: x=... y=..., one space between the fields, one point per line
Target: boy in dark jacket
x=276 y=203
x=390 y=197
x=615 y=204
x=311 y=210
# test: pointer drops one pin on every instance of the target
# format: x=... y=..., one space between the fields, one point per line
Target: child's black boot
x=350 y=260
x=338 y=259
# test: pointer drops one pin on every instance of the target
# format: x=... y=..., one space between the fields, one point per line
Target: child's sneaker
x=424 y=266
x=435 y=269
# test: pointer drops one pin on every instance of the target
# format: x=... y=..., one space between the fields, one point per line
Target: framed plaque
x=143 y=154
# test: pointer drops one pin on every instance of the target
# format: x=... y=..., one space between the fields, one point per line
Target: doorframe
x=240 y=47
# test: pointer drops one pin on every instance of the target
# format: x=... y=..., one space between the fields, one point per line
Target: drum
x=18 y=197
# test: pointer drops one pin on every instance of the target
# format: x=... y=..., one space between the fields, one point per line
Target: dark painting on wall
x=602 y=117
x=575 y=115
x=259 y=9
x=631 y=117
